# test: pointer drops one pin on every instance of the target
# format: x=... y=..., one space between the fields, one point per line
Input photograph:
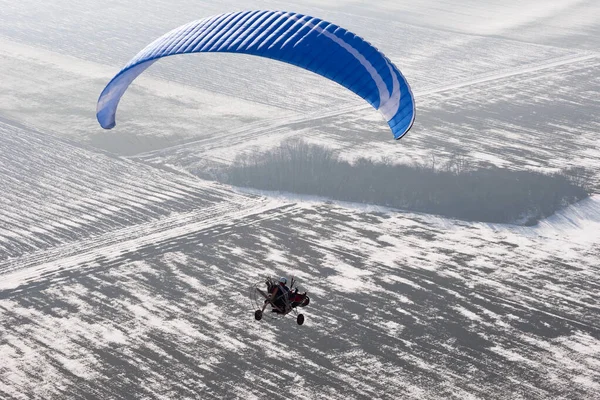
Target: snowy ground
x=143 y=291
x=127 y=277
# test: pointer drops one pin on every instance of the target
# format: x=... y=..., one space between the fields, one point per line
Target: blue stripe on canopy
x=297 y=39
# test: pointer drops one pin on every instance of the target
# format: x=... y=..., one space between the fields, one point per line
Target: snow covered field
x=122 y=275
x=402 y=304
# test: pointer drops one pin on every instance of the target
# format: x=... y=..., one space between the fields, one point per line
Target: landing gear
x=277 y=307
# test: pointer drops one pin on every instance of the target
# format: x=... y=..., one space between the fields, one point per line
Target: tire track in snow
x=109 y=238
x=45 y=204
x=114 y=245
x=502 y=75
x=258 y=129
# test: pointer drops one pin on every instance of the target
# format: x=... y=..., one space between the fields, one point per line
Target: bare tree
x=456 y=190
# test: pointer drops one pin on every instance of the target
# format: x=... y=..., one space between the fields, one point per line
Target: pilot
x=281 y=294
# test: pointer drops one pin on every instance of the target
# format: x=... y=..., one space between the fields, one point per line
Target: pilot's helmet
x=283 y=280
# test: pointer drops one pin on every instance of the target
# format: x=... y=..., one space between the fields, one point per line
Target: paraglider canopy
x=301 y=40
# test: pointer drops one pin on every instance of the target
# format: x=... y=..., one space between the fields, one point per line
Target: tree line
x=450 y=187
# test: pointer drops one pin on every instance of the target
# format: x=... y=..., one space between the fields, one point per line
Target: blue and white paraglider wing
x=300 y=40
